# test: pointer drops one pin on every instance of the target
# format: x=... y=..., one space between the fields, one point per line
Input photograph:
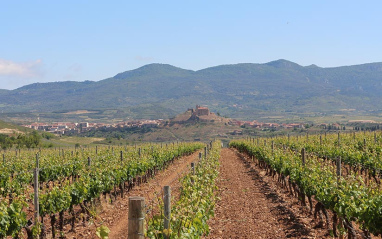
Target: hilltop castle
x=199 y=114
x=200 y=111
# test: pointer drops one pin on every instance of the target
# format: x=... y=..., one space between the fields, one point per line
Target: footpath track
x=251 y=206
x=115 y=216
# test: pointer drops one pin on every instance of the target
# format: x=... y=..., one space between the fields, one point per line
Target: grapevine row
x=196 y=203
x=350 y=199
x=81 y=182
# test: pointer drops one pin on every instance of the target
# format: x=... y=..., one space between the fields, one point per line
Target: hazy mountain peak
x=313 y=66
x=281 y=63
x=152 y=69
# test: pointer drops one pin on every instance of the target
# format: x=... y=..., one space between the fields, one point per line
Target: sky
x=48 y=41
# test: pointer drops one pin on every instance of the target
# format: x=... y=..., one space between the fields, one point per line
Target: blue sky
x=45 y=41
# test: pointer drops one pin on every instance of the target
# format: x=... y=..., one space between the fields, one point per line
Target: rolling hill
x=240 y=90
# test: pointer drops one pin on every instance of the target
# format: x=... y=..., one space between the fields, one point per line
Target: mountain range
x=241 y=90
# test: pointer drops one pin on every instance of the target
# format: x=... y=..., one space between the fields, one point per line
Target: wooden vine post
x=302 y=194
x=193 y=168
x=167 y=210
x=192 y=172
x=136 y=218
x=338 y=164
x=338 y=169
x=36 y=187
x=273 y=146
x=339 y=140
x=121 y=156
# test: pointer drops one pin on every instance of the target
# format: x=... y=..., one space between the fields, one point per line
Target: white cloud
x=22 y=69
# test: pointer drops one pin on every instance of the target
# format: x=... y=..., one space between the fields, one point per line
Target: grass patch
x=79 y=140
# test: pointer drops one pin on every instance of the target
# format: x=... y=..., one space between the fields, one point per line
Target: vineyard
x=336 y=173
x=195 y=204
x=67 y=183
x=211 y=192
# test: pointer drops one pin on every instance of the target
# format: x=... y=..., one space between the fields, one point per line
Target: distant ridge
x=242 y=90
x=283 y=64
x=149 y=70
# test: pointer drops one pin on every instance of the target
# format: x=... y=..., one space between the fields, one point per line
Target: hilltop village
x=199 y=114
x=76 y=128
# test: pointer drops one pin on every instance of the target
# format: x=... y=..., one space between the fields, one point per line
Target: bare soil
x=10 y=131
x=115 y=216
x=251 y=206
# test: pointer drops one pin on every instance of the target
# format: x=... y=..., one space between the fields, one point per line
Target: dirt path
x=150 y=192
x=249 y=207
x=115 y=216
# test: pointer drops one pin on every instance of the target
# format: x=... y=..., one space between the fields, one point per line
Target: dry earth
x=10 y=131
x=115 y=216
x=248 y=207
x=253 y=205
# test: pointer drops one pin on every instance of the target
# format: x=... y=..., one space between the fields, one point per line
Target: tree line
x=31 y=140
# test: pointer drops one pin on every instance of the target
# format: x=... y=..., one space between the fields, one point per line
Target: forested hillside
x=233 y=90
